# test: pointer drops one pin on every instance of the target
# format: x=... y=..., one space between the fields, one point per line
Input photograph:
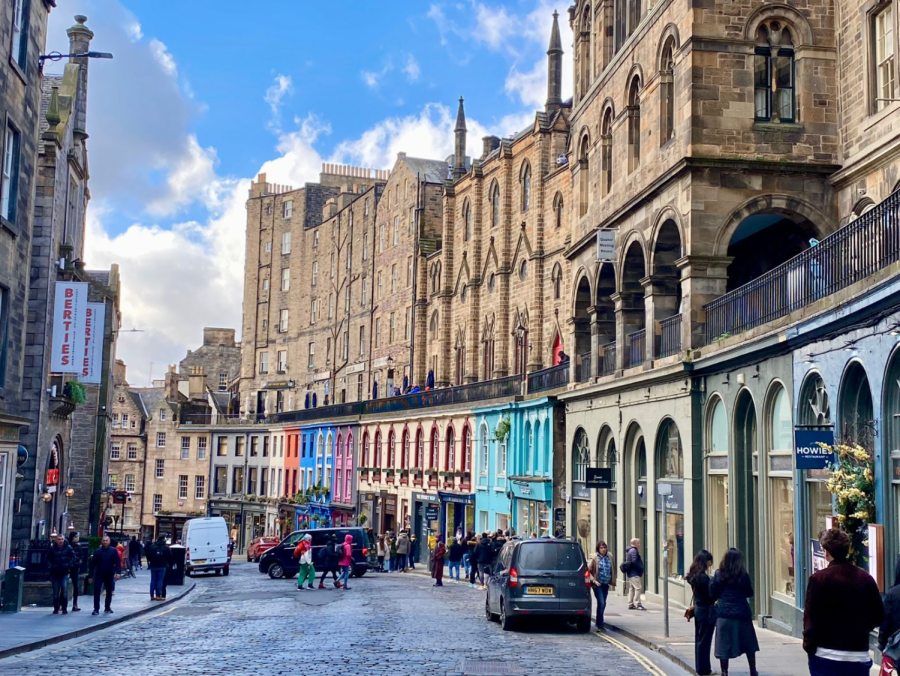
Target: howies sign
x=808 y=452
x=69 y=316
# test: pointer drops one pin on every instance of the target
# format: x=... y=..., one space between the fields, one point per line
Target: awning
x=540 y=491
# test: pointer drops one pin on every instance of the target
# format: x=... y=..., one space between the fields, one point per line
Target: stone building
x=219 y=356
x=127 y=454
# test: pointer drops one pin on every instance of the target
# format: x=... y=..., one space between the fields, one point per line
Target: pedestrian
x=730 y=589
x=497 y=542
x=472 y=569
x=412 y=551
x=329 y=556
x=454 y=557
x=432 y=542
x=633 y=568
x=467 y=552
x=380 y=550
x=842 y=606
x=75 y=571
x=60 y=557
x=704 y=611
x=483 y=557
x=393 y=545
x=303 y=552
x=158 y=557
x=602 y=569
x=402 y=551
x=437 y=559
x=104 y=570
x=134 y=553
x=890 y=625
x=346 y=561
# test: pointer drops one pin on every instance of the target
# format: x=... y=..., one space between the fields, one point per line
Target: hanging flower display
x=852 y=483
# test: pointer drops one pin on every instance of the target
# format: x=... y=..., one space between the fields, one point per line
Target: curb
x=669 y=654
x=43 y=643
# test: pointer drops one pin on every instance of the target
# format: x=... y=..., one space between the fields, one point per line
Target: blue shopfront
x=531 y=500
x=316 y=475
x=457 y=513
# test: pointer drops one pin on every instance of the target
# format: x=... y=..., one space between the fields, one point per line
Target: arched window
x=526 y=186
x=558 y=210
x=329 y=454
x=433 y=326
x=338 y=467
x=556 y=278
x=773 y=66
x=348 y=469
x=450 y=456
x=467 y=221
x=670 y=467
x=584 y=53
x=530 y=451
x=404 y=461
x=467 y=449
x=420 y=449
x=634 y=125
x=378 y=458
x=495 y=206
x=584 y=183
x=670 y=463
x=667 y=92
x=606 y=156
x=435 y=449
x=483 y=456
x=781 y=489
x=581 y=456
x=392 y=450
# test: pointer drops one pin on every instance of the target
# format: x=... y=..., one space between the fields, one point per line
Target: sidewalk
x=35 y=628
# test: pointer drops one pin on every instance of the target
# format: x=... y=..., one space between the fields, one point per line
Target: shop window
x=717 y=481
x=781 y=483
x=581 y=455
x=670 y=466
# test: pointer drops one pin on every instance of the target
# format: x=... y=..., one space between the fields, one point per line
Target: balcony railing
x=637 y=348
x=549 y=378
x=583 y=373
x=608 y=364
x=499 y=388
x=670 y=336
x=319 y=413
x=851 y=254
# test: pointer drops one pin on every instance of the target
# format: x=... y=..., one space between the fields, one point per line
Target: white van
x=206 y=542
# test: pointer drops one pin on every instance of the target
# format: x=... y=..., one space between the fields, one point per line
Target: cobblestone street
x=386 y=624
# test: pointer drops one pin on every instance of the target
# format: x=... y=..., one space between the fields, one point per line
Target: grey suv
x=542 y=577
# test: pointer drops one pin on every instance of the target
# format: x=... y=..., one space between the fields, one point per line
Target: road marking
x=640 y=659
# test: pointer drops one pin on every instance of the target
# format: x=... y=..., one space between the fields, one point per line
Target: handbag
x=892 y=647
x=689 y=613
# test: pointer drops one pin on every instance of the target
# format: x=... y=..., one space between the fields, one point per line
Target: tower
x=554 y=68
x=459 y=146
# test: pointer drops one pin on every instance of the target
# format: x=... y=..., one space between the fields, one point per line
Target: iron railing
x=608 y=364
x=549 y=378
x=859 y=249
x=670 y=336
x=221 y=419
x=637 y=348
x=498 y=388
x=583 y=372
x=321 y=412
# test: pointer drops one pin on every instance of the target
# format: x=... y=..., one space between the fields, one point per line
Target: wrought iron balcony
x=608 y=362
x=670 y=336
x=637 y=348
x=549 y=378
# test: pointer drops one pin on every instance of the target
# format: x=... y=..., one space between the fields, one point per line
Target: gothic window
x=606 y=157
x=433 y=326
x=584 y=53
x=450 y=457
x=634 y=125
x=584 y=185
x=773 y=66
x=467 y=221
x=558 y=210
x=581 y=455
x=667 y=92
x=556 y=278
x=495 y=206
x=526 y=186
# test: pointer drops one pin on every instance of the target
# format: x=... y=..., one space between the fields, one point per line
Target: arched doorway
x=670 y=469
x=53 y=488
x=666 y=289
x=891 y=450
x=814 y=413
x=634 y=318
x=746 y=476
x=605 y=318
x=582 y=329
x=635 y=500
x=717 y=481
x=581 y=460
x=856 y=414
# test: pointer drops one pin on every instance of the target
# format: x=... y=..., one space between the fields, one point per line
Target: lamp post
x=57 y=56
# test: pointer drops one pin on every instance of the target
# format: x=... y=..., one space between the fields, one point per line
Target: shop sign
x=425 y=497
x=92 y=362
x=69 y=315
x=599 y=478
x=580 y=491
x=459 y=499
x=809 y=454
x=390 y=503
x=559 y=522
x=606 y=245
x=431 y=512
x=279 y=385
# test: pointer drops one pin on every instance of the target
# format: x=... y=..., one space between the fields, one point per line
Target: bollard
x=13 y=584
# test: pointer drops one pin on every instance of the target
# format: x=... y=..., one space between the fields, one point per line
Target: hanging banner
x=92 y=361
x=810 y=455
x=69 y=315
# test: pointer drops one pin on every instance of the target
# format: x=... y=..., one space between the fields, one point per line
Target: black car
x=540 y=577
x=279 y=561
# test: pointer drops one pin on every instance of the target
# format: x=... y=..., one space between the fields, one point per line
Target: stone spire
x=554 y=68
x=80 y=37
x=459 y=147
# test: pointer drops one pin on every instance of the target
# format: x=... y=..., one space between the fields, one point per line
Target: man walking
x=61 y=557
x=483 y=557
x=402 y=551
x=134 y=553
x=328 y=558
x=633 y=568
x=104 y=570
x=74 y=537
x=842 y=606
x=158 y=557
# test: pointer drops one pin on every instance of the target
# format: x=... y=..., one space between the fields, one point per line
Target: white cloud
x=436 y=14
x=412 y=68
x=192 y=178
x=530 y=87
x=134 y=31
x=163 y=58
x=493 y=26
x=373 y=78
x=274 y=94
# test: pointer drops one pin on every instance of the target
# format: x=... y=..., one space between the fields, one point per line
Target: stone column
x=703 y=279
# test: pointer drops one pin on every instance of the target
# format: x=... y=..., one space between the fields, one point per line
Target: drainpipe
x=415 y=298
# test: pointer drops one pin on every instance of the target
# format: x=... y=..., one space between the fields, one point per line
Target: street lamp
x=57 y=56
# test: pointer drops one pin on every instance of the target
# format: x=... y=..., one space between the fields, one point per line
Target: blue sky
x=202 y=96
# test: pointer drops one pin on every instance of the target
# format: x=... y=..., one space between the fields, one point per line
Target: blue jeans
x=600 y=593
x=819 y=666
x=157 y=575
x=412 y=564
x=454 y=565
x=465 y=561
x=345 y=576
x=60 y=585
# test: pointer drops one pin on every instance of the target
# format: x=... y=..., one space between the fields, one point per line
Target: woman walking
x=437 y=558
x=735 y=635
x=381 y=552
x=603 y=576
x=704 y=611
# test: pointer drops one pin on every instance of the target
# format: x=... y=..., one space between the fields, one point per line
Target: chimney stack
x=491 y=143
x=171 y=385
x=80 y=37
x=196 y=383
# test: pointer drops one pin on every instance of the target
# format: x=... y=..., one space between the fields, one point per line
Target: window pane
x=674 y=544
x=783 y=545
x=782 y=426
x=719 y=516
x=719 y=429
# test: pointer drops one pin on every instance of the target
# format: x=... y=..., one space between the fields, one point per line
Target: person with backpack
x=303 y=552
x=158 y=557
x=455 y=557
x=402 y=551
x=346 y=561
x=483 y=558
x=633 y=569
x=327 y=559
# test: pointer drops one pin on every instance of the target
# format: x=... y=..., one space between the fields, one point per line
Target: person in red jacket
x=437 y=558
x=842 y=606
x=346 y=561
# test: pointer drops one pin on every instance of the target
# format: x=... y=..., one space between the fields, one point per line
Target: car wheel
x=256 y=560
x=488 y=615
x=276 y=571
x=506 y=622
x=583 y=625
x=226 y=570
x=358 y=572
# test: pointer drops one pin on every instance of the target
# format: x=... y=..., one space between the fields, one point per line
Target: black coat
x=456 y=552
x=890 y=625
x=158 y=556
x=105 y=562
x=61 y=559
x=483 y=552
x=732 y=597
x=634 y=564
x=704 y=605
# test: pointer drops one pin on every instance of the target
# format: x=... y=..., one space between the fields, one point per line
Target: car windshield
x=550 y=556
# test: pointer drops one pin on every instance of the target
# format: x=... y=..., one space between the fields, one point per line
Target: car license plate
x=539 y=591
x=196 y=561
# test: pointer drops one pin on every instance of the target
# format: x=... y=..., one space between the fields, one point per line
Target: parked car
x=544 y=577
x=206 y=545
x=260 y=546
x=279 y=561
